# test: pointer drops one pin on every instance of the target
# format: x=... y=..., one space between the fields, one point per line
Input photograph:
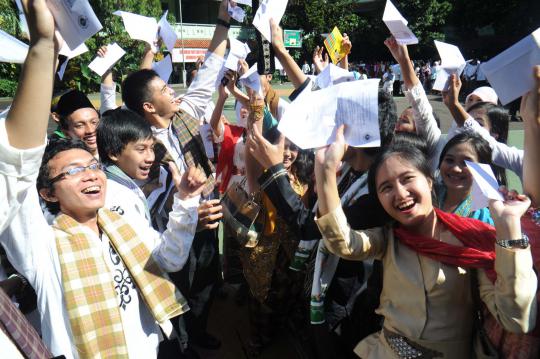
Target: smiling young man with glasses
x=99 y=277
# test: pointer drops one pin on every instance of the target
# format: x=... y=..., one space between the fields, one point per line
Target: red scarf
x=225 y=164
x=478 y=239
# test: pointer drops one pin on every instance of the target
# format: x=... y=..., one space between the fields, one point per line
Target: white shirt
x=30 y=246
x=18 y=173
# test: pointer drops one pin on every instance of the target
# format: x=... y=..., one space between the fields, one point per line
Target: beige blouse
x=429 y=302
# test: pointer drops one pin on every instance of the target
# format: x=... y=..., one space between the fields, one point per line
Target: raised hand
x=318 y=60
x=277 y=36
x=266 y=153
x=231 y=77
x=530 y=104
x=399 y=52
x=190 y=184
x=346 y=44
x=451 y=93
x=40 y=20
x=507 y=214
x=329 y=157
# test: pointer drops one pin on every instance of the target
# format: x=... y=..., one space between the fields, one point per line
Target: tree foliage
x=9 y=22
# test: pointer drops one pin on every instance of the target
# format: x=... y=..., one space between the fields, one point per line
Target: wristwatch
x=521 y=243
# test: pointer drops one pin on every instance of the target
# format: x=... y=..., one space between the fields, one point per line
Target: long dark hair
x=482 y=149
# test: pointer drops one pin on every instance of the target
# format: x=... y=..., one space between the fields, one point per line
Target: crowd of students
x=369 y=252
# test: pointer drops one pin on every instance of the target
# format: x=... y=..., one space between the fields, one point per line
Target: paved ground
x=228 y=320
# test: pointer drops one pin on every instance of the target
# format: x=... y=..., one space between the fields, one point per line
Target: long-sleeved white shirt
x=18 y=173
x=31 y=247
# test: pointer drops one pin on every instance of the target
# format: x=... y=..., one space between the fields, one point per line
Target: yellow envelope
x=333 y=46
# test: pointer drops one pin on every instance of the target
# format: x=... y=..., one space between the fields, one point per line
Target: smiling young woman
x=429 y=258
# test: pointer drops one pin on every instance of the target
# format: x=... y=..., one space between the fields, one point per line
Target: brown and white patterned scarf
x=89 y=292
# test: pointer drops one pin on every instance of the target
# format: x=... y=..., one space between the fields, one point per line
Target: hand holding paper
x=166 y=32
x=101 y=64
x=485 y=186
x=397 y=25
x=236 y=12
x=452 y=62
x=333 y=43
x=140 y=27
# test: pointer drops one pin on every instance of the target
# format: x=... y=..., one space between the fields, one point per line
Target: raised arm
x=231 y=77
x=512 y=298
x=147 y=57
x=451 y=100
x=294 y=72
x=27 y=120
x=107 y=90
x=401 y=55
x=215 y=120
x=530 y=111
x=320 y=61
x=346 y=44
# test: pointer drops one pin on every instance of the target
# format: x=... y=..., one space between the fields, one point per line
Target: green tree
x=9 y=22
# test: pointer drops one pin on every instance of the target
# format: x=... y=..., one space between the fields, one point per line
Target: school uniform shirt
x=18 y=173
x=427 y=301
x=30 y=244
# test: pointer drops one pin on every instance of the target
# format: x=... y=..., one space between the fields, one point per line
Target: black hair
x=136 y=89
x=304 y=167
x=118 y=129
x=412 y=155
x=387 y=122
x=482 y=149
x=54 y=147
x=411 y=139
x=498 y=117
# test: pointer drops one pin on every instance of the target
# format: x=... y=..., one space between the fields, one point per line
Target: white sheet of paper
x=273 y=9
x=22 y=18
x=13 y=50
x=206 y=135
x=70 y=54
x=333 y=75
x=238 y=50
x=140 y=27
x=251 y=79
x=485 y=186
x=510 y=72
x=452 y=62
x=311 y=120
x=166 y=32
x=101 y=64
x=277 y=64
x=75 y=20
x=164 y=68
x=236 y=12
x=244 y=2
x=396 y=23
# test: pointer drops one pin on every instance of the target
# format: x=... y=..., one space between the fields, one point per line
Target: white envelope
x=101 y=64
x=510 y=72
x=140 y=27
x=312 y=119
x=251 y=79
x=485 y=186
x=236 y=12
x=75 y=20
x=268 y=9
x=238 y=50
x=13 y=50
x=163 y=68
x=397 y=25
x=166 y=32
x=333 y=75
x=452 y=62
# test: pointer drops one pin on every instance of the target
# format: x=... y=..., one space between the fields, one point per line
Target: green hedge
x=7 y=88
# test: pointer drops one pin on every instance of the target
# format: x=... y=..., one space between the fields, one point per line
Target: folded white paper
x=75 y=20
x=510 y=72
x=268 y=10
x=206 y=135
x=13 y=50
x=397 y=25
x=251 y=79
x=312 y=119
x=333 y=75
x=140 y=27
x=164 y=68
x=101 y=64
x=452 y=62
x=243 y=2
x=70 y=54
x=485 y=186
x=236 y=12
x=238 y=51
x=166 y=32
